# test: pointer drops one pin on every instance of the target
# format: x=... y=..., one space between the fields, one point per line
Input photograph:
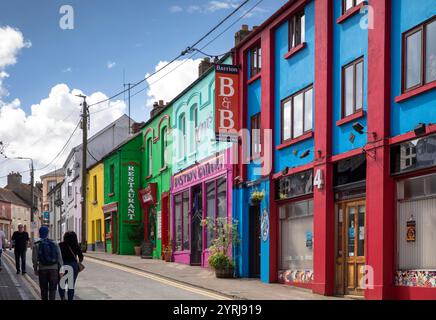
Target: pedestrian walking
x=20 y=239
x=2 y=246
x=72 y=256
x=47 y=259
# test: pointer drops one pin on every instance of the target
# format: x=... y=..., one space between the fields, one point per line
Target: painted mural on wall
x=412 y=278
x=296 y=276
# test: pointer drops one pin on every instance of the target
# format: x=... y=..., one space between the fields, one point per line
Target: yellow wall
x=95 y=211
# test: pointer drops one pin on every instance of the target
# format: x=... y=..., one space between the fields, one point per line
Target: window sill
x=255 y=78
x=295 y=50
x=415 y=92
x=111 y=194
x=94 y=202
x=149 y=177
x=181 y=160
x=192 y=155
x=350 y=118
x=163 y=169
x=351 y=12
x=289 y=143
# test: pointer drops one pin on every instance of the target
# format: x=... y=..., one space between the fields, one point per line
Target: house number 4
x=318 y=181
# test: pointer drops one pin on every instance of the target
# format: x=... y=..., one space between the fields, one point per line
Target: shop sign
x=295 y=185
x=411 y=230
x=199 y=172
x=147 y=195
x=226 y=102
x=414 y=155
x=111 y=207
x=264 y=225
x=131 y=192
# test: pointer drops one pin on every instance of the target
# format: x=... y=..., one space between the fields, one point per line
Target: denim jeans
x=1 y=251
x=48 y=281
x=20 y=254
x=75 y=267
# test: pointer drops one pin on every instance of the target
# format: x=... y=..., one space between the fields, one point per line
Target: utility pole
x=84 y=160
x=130 y=130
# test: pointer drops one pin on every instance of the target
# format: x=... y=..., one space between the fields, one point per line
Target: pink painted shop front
x=199 y=192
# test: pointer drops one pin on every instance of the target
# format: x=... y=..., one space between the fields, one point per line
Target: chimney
x=242 y=34
x=204 y=65
x=157 y=107
x=137 y=126
x=14 y=179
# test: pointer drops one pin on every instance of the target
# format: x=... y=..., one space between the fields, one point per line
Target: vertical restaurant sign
x=226 y=102
x=411 y=230
x=131 y=192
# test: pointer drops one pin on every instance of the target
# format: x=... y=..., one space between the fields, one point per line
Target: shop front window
x=216 y=203
x=296 y=233
x=181 y=204
x=416 y=223
x=178 y=216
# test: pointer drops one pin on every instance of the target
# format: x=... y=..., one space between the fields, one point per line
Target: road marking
x=160 y=279
x=30 y=285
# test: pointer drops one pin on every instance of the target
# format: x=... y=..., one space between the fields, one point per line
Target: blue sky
x=133 y=34
x=43 y=67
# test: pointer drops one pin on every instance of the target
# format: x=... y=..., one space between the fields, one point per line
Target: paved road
x=108 y=281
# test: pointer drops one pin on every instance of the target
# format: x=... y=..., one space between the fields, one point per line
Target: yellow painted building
x=95 y=202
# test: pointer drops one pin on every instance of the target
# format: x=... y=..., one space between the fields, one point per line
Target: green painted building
x=122 y=179
x=156 y=176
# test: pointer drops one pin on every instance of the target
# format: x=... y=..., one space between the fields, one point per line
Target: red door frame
x=165 y=219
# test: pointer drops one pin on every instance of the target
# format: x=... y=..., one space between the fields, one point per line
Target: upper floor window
x=112 y=179
x=195 y=135
x=419 y=55
x=255 y=135
x=182 y=134
x=149 y=157
x=297 y=114
x=255 y=60
x=349 y=4
x=70 y=189
x=297 y=29
x=164 y=135
x=95 y=188
x=352 y=87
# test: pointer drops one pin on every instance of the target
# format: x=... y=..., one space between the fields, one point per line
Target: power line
x=184 y=52
x=202 y=48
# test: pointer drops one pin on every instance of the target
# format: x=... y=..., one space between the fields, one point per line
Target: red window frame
x=423 y=29
x=293 y=23
x=255 y=124
x=355 y=4
x=353 y=65
x=291 y=98
x=255 y=55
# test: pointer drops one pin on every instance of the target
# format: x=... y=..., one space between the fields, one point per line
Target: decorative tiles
x=296 y=276
x=412 y=278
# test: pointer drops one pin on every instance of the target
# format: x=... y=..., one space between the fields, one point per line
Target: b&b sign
x=226 y=102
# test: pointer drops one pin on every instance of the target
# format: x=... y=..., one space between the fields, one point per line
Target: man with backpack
x=47 y=260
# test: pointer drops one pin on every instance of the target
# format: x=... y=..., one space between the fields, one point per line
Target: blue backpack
x=47 y=252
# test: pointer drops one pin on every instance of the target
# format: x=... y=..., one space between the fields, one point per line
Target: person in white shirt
x=2 y=245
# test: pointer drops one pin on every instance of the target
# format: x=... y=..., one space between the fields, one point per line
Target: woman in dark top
x=71 y=255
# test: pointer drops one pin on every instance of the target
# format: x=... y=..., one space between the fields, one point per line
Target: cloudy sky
x=43 y=67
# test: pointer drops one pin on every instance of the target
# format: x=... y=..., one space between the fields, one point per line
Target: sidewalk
x=250 y=289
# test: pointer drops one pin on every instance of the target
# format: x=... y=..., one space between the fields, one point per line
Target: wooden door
x=255 y=241
x=351 y=247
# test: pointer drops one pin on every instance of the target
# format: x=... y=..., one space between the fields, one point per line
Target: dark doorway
x=254 y=241
x=196 y=229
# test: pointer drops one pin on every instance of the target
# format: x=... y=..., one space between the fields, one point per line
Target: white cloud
x=180 y=75
x=175 y=9
x=69 y=69
x=111 y=64
x=213 y=6
x=11 y=42
x=42 y=132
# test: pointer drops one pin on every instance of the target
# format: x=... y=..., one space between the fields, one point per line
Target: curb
x=235 y=297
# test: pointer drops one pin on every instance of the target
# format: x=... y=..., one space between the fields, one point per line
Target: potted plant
x=136 y=236
x=257 y=197
x=167 y=253
x=226 y=234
